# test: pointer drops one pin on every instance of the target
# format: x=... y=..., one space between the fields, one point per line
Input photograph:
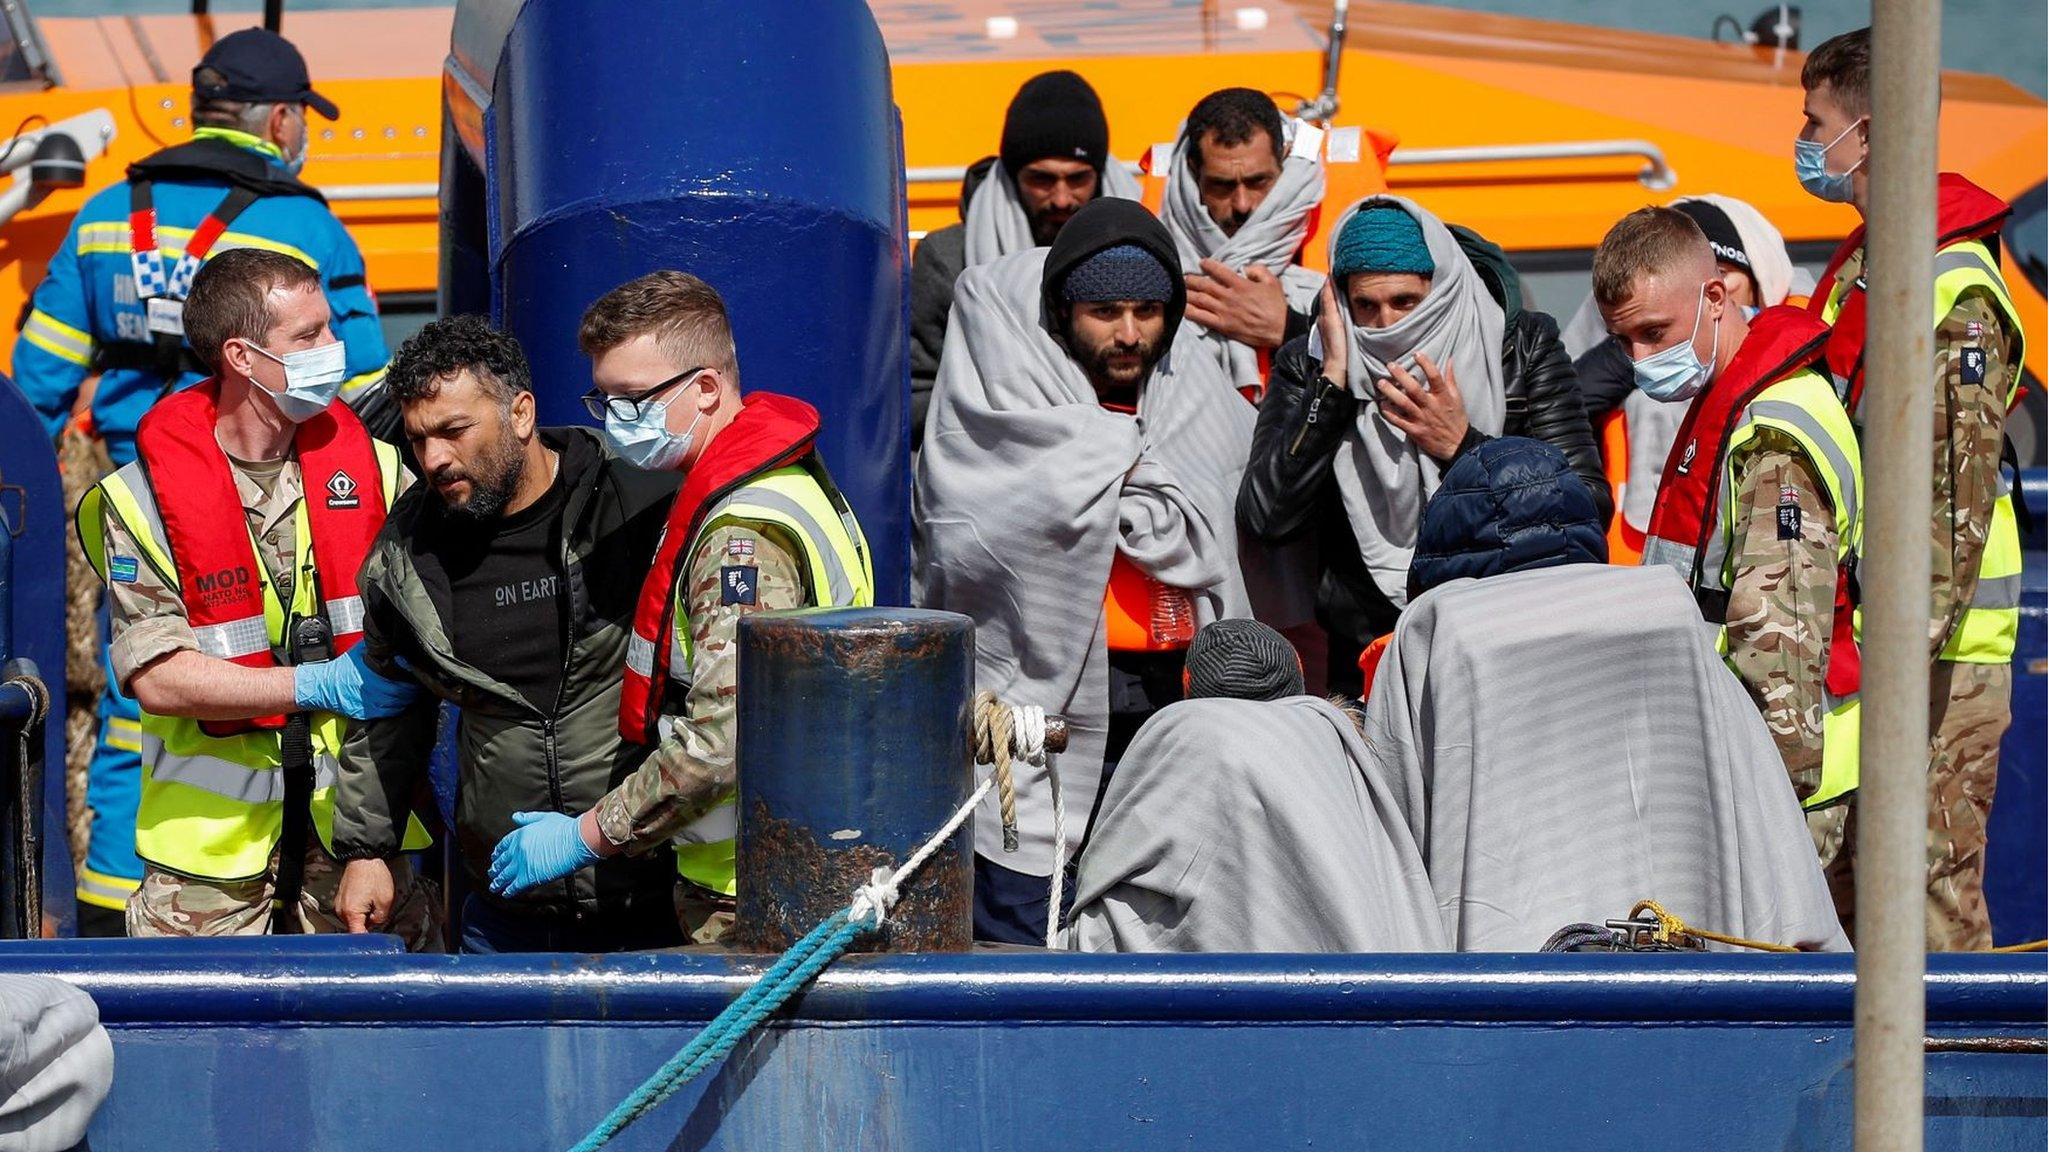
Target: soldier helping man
x=237 y=635
x=581 y=767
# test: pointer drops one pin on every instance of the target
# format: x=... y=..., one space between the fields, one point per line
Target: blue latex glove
x=546 y=846
x=347 y=687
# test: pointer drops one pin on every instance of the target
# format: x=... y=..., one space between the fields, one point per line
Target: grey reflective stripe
x=1998 y=593
x=679 y=669
x=225 y=777
x=1658 y=550
x=1713 y=566
x=236 y=638
x=130 y=478
x=1836 y=460
x=640 y=654
x=1964 y=256
x=841 y=589
x=720 y=824
x=88 y=884
x=345 y=615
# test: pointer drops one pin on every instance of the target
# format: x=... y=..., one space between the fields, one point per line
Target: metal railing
x=1656 y=173
x=24 y=702
x=955 y=173
x=381 y=191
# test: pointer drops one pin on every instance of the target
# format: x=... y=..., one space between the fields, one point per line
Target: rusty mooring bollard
x=855 y=742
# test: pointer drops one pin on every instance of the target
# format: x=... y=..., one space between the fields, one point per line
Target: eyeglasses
x=597 y=403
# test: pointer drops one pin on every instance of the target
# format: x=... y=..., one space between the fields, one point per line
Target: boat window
x=2026 y=236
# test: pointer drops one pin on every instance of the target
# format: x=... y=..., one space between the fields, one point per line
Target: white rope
x=879 y=894
x=1028 y=738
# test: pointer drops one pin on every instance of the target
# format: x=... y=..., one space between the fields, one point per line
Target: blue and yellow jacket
x=86 y=315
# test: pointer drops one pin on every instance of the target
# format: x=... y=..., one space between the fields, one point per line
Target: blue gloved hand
x=346 y=686
x=546 y=846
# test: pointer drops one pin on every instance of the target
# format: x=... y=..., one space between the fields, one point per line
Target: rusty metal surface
x=854 y=747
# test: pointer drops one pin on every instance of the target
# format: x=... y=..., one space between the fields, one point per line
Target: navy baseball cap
x=257 y=66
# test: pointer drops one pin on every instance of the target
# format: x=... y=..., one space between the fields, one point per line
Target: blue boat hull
x=328 y=1044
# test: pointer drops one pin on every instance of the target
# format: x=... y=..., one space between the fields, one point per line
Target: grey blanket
x=1027 y=486
x=1272 y=237
x=56 y=1064
x=997 y=225
x=1243 y=826
x=1384 y=478
x=1566 y=742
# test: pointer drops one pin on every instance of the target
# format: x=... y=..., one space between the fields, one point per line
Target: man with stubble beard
x=507 y=588
x=1067 y=465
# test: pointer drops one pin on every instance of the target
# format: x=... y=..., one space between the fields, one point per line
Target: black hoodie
x=1106 y=223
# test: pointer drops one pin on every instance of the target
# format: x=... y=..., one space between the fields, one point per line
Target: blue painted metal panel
x=32 y=506
x=307 y=1044
x=2016 y=856
x=755 y=145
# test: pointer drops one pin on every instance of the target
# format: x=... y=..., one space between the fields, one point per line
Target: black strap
x=2009 y=460
x=168 y=348
x=352 y=280
x=130 y=356
x=296 y=747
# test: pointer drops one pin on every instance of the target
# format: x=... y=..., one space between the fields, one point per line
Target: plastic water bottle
x=1173 y=616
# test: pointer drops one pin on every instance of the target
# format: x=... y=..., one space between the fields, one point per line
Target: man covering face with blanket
x=1074 y=499
x=1240 y=202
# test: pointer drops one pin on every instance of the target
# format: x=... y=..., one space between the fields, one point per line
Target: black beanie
x=1721 y=234
x=1242 y=660
x=1055 y=114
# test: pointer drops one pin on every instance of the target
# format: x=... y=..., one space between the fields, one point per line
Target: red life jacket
x=219 y=576
x=1963 y=211
x=770 y=432
x=1783 y=341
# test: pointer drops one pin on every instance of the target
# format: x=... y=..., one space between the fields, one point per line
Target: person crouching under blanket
x=1065 y=464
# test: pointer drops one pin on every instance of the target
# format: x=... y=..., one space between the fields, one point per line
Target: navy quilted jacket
x=1507 y=505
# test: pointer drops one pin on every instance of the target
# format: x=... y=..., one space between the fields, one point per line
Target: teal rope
x=796 y=968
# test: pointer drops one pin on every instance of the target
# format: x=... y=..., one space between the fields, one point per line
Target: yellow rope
x=2029 y=946
x=992 y=721
x=1672 y=930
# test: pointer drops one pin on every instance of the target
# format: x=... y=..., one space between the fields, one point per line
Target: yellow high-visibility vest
x=213 y=806
x=1804 y=407
x=838 y=573
x=1989 y=628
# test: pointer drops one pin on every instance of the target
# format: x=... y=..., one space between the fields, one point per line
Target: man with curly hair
x=505 y=583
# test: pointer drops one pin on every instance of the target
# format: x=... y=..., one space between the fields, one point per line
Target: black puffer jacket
x=1509 y=505
x=1289 y=488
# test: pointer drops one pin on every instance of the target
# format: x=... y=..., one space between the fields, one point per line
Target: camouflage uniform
x=1970 y=704
x=1781 y=599
x=693 y=768
x=168 y=904
x=150 y=623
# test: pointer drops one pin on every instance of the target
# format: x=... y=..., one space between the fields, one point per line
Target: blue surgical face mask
x=1810 y=161
x=645 y=439
x=312 y=379
x=1677 y=373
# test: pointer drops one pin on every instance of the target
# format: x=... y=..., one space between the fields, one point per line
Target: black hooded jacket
x=1102 y=224
x=1289 y=487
